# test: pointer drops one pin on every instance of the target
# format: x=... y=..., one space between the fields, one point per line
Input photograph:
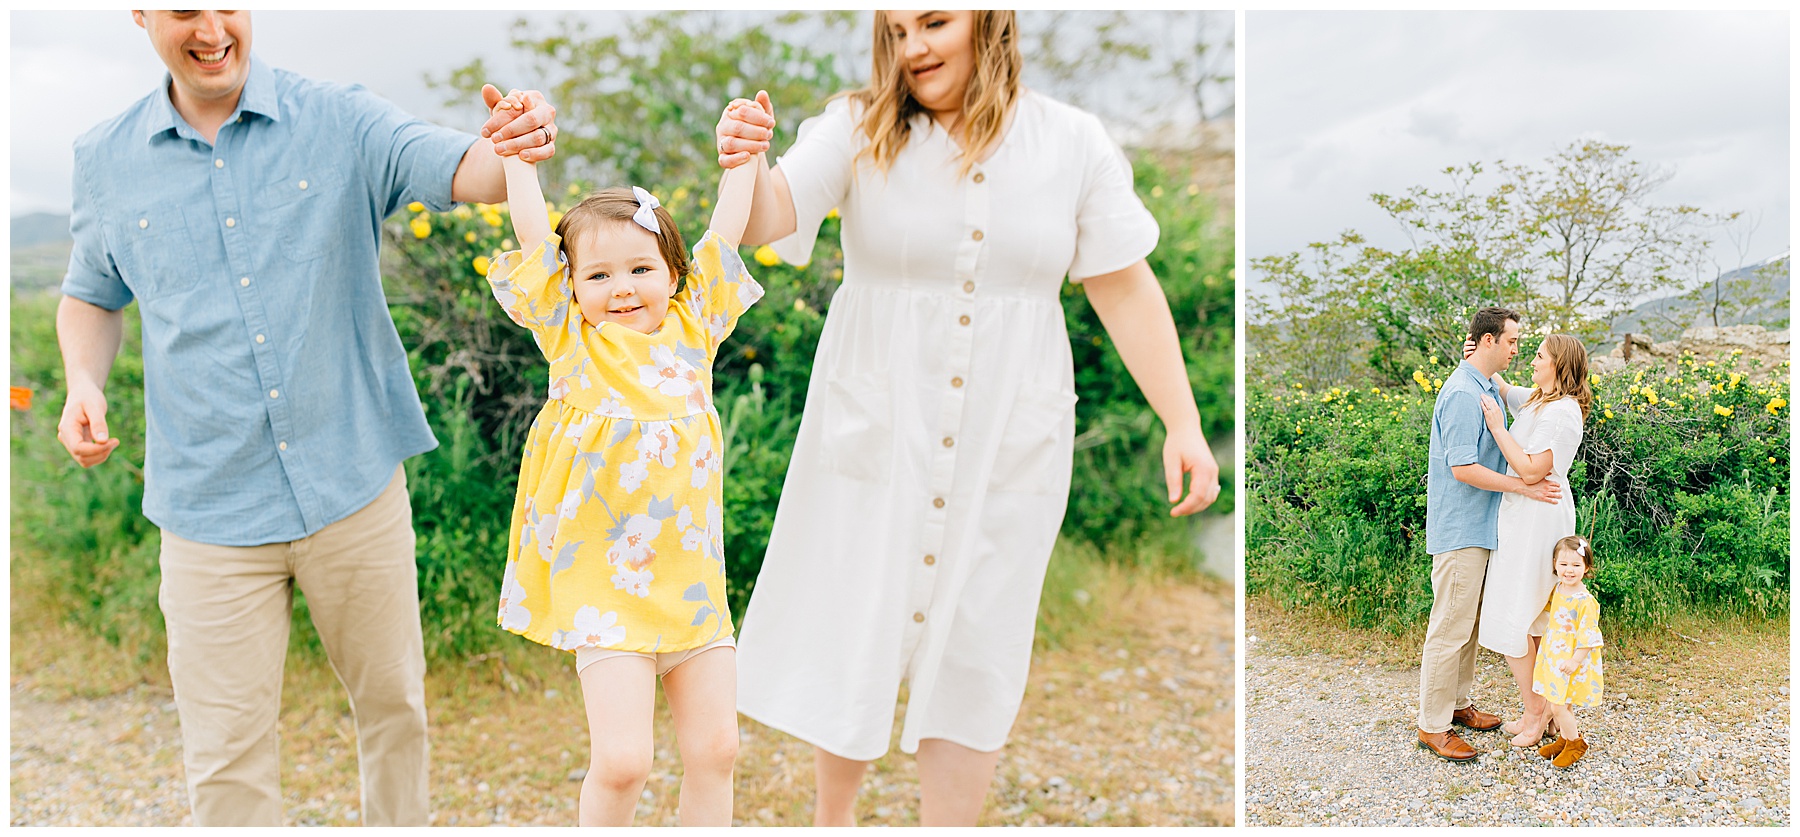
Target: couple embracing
x=1498 y=519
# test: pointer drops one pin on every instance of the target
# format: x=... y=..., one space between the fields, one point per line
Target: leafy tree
x=1569 y=243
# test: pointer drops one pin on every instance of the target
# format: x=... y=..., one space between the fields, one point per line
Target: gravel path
x=1330 y=741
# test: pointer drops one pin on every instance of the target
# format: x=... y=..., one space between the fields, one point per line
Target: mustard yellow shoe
x=1571 y=752
x=1554 y=747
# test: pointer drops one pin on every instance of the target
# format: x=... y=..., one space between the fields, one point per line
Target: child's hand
x=1567 y=666
x=521 y=123
x=745 y=129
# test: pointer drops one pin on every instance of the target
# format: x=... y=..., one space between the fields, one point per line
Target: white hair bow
x=645 y=216
x=1581 y=550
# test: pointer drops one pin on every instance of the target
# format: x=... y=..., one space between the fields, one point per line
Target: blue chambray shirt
x=1458 y=514
x=277 y=394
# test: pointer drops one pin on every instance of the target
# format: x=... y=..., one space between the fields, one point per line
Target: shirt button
x=976 y=235
x=302 y=184
x=259 y=338
x=964 y=319
x=956 y=382
x=938 y=502
x=143 y=223
x=949 y=442
x=980 y=177
x=218 y=164
x=244 y=281
x=918 y=617
x=283 y=446
x=230 y=222
x=968 y=287
x=274 y=393
x=930 y=559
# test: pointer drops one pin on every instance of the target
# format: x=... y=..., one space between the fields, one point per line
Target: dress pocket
x=1028 y=455
x=859 y=427
x=155 y=252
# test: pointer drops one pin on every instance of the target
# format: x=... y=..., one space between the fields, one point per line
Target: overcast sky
x=97 y=63
x=1339 y=105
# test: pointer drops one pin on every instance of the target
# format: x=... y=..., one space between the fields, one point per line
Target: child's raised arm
x=737 y=189
x=524 y=196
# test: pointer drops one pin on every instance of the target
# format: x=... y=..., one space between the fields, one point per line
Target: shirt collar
x=1481 y=380
x=258 y=97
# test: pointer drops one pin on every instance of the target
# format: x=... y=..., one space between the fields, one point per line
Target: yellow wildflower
x=574 y=189
x=766 y=256
x=1722 y=411
x=799 y=305
x=833 y=213
x=1609 y=412
x=1650 y=396
x=680 y=194
x=480 y=264
x=469 y=236
x=491 y=217
x=1775 y=404
x=1771 y=460
x=421 y=228
x=415 y=206
x=463 y=211
x=1193 y=189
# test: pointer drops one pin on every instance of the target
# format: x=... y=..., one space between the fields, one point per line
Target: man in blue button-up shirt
x=1463 y=484
x=241 y=206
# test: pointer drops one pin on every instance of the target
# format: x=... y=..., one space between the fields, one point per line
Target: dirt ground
x=1128 y=721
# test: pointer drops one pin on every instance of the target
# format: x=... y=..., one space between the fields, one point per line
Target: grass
x=1688 y=654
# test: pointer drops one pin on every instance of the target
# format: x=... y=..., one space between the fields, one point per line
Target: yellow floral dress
x=1574 y=623
x=618 y=529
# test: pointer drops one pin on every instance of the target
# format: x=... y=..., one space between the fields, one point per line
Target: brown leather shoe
x=1572 y=751
x=1475 y=719
x=1550 y=750
x=1447 y=745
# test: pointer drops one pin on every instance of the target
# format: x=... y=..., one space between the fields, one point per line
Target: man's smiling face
x=207 y=52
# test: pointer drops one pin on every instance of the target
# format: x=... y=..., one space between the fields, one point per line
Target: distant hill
x=39 y=228
x=1664 y=318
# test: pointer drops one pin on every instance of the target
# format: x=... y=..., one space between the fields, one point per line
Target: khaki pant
x=228 y=609
x=1447 y=667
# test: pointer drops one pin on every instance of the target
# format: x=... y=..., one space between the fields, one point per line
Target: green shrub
x=1681 y=481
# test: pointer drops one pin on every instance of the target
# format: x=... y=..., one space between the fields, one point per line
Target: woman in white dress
x=1540 y=445
x=931 y=469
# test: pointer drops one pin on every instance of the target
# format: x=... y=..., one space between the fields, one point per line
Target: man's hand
x=1188 y=453
x=1543 y=491
x=745 y=129
x=83 y=428
x=528 y=130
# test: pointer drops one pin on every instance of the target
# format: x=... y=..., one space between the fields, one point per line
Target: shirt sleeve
x=403 y=158
x=1558 y=431
x=819 y=168
x=93 y=276
x=1517 y=396
x=534 y=290
x=1460 y=425
x=1113 y=230
x=720 y=289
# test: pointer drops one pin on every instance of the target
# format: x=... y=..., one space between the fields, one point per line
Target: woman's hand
x=1186 y=452
x=1496 y=417
x=745 y=129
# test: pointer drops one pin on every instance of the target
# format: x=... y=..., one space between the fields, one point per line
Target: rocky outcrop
x=1754 y=342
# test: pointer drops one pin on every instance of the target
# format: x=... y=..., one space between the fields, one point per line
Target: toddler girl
x=617 y=533
x=1568 y=671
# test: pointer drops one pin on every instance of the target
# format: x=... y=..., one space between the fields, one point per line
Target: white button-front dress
x=931 y=470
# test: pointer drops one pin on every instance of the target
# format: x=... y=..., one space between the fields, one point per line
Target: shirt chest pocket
x=300 y=211
x=154 y=250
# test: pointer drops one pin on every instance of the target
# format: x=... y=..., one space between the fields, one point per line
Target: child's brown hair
x=616 y=205
x=1580 y=546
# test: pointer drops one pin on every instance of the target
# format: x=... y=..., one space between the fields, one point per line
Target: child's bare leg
x=1565 y=721
x=620 y=693
x=702 y=694
x=837 y=780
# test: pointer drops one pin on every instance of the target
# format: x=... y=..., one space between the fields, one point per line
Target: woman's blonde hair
x=1569 y=357
x=889 y=106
